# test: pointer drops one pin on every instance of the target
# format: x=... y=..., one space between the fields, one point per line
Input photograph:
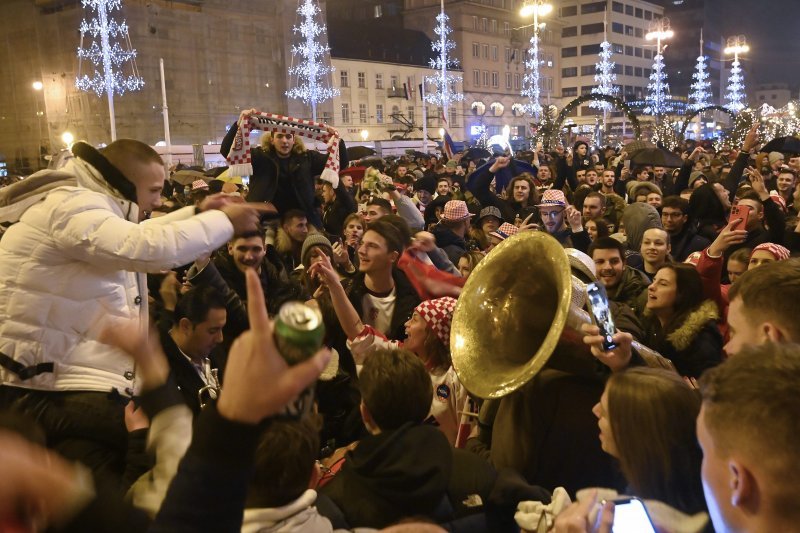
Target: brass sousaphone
x=517 y=313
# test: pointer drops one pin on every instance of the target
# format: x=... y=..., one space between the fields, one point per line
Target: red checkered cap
x=779 y=252
x=505 y=231
x=438 y=315
x=553 y=197
x=456 y=210
x=199 y=184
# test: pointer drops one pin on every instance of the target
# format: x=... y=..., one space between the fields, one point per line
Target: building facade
x=492 y=40
x=624 y=24
x=220 y=56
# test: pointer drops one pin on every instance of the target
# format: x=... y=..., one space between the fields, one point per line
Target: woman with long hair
x=680 y=323
x=427 y=336
x=468 y=262
x=647 y=422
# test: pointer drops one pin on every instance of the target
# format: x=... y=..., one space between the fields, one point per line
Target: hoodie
x=706 y=212
x=453 y=245
x=638 y=218
x=392 y=475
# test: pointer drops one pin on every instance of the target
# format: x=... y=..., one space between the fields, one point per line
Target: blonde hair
x=266 y=143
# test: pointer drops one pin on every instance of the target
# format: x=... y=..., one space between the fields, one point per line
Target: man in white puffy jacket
x=76 y=258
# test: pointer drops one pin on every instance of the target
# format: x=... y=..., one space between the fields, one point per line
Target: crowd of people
x=142 y=389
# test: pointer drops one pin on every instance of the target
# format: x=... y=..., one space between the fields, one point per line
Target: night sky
x=772 y=28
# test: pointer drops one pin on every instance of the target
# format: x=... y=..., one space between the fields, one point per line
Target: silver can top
x=299 y=316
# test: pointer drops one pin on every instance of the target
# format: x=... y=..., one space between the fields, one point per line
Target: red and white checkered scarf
x=239 y=158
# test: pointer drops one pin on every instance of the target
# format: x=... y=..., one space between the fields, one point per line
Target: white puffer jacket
x=76 y=259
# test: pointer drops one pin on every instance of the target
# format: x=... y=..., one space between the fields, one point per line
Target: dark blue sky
x=772 y=28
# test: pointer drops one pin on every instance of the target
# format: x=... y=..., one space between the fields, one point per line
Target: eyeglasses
x=550 y=214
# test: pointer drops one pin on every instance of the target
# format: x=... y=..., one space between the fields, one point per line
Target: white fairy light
x=446 y=82
x=313 y=67
x=604 y=77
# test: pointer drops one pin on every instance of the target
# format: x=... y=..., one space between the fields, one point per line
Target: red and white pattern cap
x=438 y=314
x=199 y=185
x=505 y=231
x=778 y=252
x=456 y=210
x=553 y=197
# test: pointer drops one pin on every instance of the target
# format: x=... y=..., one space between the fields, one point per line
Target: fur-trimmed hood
x=684 y=336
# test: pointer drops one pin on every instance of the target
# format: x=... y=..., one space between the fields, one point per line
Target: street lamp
x=364 y=135
x=531 y=89
x=68 y=138
x=38 y=86
x=736 y=95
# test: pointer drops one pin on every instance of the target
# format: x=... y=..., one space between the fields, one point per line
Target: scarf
x=239 y=157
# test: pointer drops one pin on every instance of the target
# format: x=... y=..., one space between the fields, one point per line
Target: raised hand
x=500 y=162
x=727 y=238
x=258 y=381
x=245 y=217
x=574 y=219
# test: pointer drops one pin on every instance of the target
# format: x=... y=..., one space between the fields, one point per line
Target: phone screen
x=630 y=516
x=598 y=301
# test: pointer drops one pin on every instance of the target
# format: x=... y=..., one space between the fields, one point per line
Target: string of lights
x=445 y=81
x=313 y=67
x=604 y=77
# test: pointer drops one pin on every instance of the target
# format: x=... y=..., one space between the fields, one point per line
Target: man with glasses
x=563 y=221
x=675 y=221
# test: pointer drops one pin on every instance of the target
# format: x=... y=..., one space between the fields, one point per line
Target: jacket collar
x=90 y=178
x=692 y=325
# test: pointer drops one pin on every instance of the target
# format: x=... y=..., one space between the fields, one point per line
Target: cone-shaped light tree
x=312 y=68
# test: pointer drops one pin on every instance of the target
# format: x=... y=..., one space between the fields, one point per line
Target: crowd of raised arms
x=144 y=383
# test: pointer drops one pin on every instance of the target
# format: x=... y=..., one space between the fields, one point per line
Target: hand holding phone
x=601 y=314
x=739 y=217
x=630 y=516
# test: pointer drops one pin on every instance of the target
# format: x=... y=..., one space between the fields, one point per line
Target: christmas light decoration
x=658 y=89
x=700 y=88
x=530 y=81
x=313 y=67
x=446 y=82
x=113 y=50
x=531 y=87
x=735 y=93
x=604 y=77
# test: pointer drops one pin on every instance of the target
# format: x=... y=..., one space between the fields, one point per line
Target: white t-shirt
x=377 y=311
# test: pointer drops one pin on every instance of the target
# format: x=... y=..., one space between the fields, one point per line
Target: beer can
x=298 y=332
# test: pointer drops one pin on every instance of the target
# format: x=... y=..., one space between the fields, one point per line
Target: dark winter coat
x=510 y=210
x=629 y=291
x=694 y=346
x=686 y=242
x=334 y=215
x=302 y=169
x=579 y=240
x=453 y=245
x=396 y=474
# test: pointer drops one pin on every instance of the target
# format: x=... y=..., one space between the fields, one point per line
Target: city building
x=776 y=95
x=220 y=56
x=691 y=19
x=624 y=24
x=492 y=40
x=378 y=77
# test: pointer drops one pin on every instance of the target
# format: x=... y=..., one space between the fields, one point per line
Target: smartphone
x=630 y=516
x=627 y=164
x=740 y=215
x=601 y=314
